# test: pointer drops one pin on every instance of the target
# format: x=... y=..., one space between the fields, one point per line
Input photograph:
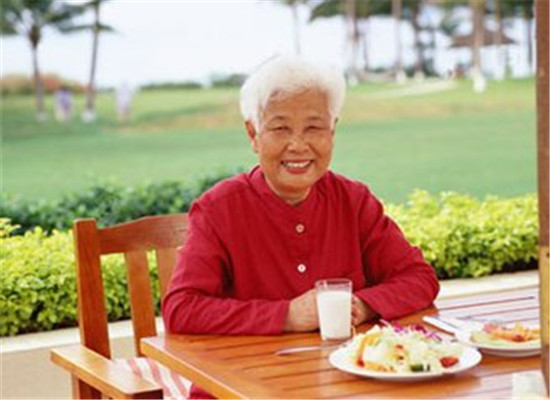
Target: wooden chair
x=93 y=372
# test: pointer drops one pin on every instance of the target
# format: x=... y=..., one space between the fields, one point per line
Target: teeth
x=292 y=164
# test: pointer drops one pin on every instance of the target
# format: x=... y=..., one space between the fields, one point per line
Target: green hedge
x=460 y=237
x=109 y=203
x=463 y=237
x=38 y=291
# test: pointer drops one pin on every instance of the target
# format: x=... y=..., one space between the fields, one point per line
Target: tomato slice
x=447 y=362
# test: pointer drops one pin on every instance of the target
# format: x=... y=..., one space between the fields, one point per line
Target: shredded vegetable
x=398 y=349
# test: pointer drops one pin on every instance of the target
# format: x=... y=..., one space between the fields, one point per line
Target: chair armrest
x=104 y=374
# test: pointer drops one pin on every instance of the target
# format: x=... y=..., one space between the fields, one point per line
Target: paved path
x=414 y=89
x=486 y=284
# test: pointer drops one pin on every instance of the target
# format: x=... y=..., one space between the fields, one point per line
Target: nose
x=297 y=142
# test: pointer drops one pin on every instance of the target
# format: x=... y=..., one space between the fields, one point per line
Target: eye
x=315 y=128
x=280 y=128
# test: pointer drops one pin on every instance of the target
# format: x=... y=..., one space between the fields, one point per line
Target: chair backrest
x=160 y=234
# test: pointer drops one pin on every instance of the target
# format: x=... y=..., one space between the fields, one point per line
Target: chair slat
x=92 y=313
x=147 y=233
x=166 y=260
x=141 y=295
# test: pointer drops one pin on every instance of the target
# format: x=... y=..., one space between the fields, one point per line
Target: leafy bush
x=38 y=281
x=459 y=235
x=231 y=80
x=463 y=237
x=16 y=84
x=38 y=290
x=108 y=203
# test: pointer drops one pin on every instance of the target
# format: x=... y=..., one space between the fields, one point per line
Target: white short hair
x=288 y=75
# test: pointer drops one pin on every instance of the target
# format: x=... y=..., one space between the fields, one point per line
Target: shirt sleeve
x=399 y=280
x=198 y=298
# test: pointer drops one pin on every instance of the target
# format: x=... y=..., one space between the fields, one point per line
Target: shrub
x=462 y=237
x=459 y=235
x=108 y=203
x=38 y=290
x=16 y=84
x=38 y=281
x=231 y=80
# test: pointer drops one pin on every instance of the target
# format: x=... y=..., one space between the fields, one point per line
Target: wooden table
x=246 y=366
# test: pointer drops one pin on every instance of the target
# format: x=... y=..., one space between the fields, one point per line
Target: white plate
x=340 y=359
x=511 y=350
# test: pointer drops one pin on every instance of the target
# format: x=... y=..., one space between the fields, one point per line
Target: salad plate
x=403 y=353
x=494 y=345
x=340 y=359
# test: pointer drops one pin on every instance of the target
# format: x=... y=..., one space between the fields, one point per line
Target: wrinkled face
x=294 y=143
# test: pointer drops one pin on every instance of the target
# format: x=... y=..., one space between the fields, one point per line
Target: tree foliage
x=28 y=18
x=364 y=9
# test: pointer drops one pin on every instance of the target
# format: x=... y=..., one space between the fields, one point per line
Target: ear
x=334 y=126
x=252 y=135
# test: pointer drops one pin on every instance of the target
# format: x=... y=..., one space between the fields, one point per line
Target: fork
x=299 y=349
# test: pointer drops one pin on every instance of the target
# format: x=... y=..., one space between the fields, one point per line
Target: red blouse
x=248 y=253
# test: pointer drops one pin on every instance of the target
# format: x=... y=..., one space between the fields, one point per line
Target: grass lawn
x=455 y=139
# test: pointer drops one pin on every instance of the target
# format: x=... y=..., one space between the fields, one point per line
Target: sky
x=181 y=40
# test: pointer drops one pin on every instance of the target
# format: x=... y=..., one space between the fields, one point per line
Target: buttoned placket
x=300 y=233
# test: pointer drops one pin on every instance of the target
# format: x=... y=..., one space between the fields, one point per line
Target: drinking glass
x=334 y=308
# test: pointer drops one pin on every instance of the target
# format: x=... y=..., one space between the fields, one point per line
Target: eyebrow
x=315 y=118
x=277 y=118
x=283 y=119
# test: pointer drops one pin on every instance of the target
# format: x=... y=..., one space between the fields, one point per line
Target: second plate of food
x=510 y=340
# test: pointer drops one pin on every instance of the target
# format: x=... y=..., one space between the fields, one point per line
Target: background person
x=257 y=242
x=124 y=95
x=63 y=104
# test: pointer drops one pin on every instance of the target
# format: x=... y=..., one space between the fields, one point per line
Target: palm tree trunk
x=397 y=12
x=353 y=37
x=501 y=68
x=419 y=67
x=529 y=39
x=90 y=92
x=296 y=21
x=477 y=7
x=433 y=49
x=364 y=34
x=38 y=86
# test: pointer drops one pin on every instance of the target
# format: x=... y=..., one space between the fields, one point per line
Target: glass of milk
x=334 y=308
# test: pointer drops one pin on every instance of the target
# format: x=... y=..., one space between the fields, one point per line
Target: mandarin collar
x=259 y=183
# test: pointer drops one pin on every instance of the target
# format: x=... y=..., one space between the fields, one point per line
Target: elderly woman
x=258 y=241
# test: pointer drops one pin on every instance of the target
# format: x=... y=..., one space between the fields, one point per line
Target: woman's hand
x=302 y=313
x=360 y=311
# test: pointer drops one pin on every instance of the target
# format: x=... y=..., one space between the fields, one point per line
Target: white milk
x=334 y=308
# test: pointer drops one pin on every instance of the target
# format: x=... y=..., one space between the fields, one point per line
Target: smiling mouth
x=296 y=165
